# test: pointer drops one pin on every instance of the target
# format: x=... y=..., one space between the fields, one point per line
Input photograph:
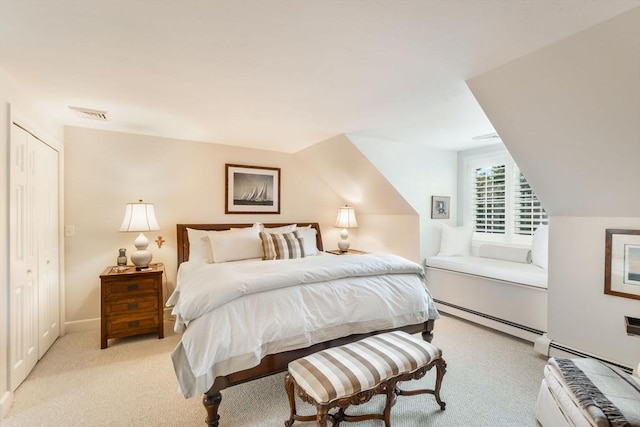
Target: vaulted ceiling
x=275 y=74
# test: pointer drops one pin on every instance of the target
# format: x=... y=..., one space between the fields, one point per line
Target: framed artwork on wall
x=251 y=190
x=622 y=263
x=440 y=207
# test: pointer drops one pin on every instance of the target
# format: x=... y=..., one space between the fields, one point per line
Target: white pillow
x=197 y=249
x=308 y=236
x=234 y=244
x=456 y=241
x=540 y=247
x=280 y=230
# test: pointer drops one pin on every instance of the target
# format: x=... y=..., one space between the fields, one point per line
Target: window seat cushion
x=508 y=271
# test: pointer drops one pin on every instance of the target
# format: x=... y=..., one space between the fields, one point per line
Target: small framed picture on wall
x=622 y=263
x=440 y=206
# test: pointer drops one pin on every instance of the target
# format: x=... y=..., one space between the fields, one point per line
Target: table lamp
x=346 y=219
x=140 y=217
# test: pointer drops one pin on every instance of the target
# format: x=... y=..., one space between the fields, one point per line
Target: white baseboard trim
x=5 y=404
x=501 y=325
x=550 y=348
x=82 y=325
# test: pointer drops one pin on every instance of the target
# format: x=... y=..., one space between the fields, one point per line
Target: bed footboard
x=276 y=363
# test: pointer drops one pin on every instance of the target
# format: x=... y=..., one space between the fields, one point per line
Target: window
x=528 y=211
x=489 y=198
x=499 y=201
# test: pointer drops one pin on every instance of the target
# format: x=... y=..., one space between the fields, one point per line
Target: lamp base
x=343 y=243
x=142 y=257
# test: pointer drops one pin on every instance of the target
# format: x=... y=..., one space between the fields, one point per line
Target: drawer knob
x=132 y=287
x=134 y=324
x=132 y=306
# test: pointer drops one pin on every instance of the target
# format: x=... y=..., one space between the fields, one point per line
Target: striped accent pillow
x=281 y=245
x=362 y=365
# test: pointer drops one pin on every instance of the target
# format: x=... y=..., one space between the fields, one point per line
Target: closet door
x=23 y=301
x=46 y=222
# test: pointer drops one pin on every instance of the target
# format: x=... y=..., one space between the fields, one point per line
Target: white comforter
x=239 y=312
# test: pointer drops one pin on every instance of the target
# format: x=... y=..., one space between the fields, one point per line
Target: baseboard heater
x=545 y=342
x=490 y=317
x=579 y=353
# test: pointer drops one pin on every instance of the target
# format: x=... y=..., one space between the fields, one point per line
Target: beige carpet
x=492 y=380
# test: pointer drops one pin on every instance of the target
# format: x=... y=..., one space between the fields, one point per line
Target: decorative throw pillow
x=281 y=246
x=456 y=241
x=540 y=247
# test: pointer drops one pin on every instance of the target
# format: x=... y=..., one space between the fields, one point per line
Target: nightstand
x=348 y=252
x=132 y=302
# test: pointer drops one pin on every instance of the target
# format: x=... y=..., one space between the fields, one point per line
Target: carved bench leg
x=211 y=403
x=441 y=369
x=323 y=416
x=391 y=400
x=289 y=386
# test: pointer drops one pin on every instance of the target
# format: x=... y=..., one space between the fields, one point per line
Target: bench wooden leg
x=289 y=386
x=323 y=416
x=391 y=400
x=441 y=369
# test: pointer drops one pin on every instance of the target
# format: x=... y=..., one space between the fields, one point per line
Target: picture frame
x=251 y=189
x=622 y=263
x=440 y=206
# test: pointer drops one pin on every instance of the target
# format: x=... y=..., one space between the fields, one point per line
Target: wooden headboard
x=183 y=236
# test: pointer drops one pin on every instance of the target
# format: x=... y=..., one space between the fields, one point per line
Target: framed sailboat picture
x=251 y=190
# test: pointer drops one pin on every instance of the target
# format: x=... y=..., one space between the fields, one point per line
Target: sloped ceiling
x=353 y=177
x=275 y=74
x=569 y=115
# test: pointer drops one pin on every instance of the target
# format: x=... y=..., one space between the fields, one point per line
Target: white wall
x=386 y=221
x=14 y=95
x=417 y=173
x=581 y=316
x=569 y=115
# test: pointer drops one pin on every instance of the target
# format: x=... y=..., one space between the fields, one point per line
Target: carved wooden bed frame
x=273 y=363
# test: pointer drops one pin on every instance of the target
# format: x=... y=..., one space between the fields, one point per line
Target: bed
x=237 y=329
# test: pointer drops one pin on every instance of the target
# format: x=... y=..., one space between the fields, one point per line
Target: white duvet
x=239 y=312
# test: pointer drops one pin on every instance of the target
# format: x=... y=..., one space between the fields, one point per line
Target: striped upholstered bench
x=353 y=373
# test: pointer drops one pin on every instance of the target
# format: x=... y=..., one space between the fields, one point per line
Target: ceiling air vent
x=487 y=137
x=87 y=113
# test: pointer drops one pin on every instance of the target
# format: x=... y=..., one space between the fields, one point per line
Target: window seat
x=504 y=295
x=508 y=271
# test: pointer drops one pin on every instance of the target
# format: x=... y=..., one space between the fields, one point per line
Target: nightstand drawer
x=125 y=288
x=129 y=324
x=132 y=305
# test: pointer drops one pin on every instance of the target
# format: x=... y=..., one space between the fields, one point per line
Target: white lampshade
x=140 y=217
x=346 y=219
